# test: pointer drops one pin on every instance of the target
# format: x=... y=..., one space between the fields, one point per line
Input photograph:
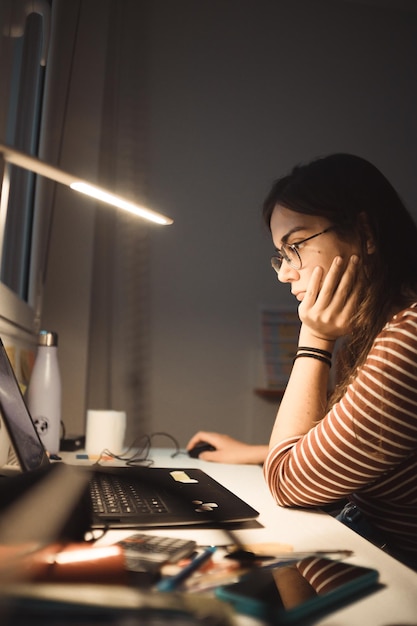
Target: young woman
x=347 y=247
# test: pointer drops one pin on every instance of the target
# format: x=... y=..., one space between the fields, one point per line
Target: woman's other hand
x=228 y=449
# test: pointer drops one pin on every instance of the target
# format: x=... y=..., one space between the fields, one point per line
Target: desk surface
x=395 y=603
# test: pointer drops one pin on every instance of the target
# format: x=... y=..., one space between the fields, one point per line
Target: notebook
x=138 y=497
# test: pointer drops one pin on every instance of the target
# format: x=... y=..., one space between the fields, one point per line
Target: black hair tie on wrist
x=318 y=357
x=316 y=350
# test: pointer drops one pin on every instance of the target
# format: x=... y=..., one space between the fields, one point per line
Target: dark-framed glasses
x=290 y=252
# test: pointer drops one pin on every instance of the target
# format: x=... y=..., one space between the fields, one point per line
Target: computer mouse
x=201 y=446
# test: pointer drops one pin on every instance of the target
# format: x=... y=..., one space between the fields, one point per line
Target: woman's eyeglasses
x=290 y=253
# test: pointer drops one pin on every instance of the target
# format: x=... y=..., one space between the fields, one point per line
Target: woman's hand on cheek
x=329 y=302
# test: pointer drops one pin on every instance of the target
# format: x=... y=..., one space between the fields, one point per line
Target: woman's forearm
x=305 y=399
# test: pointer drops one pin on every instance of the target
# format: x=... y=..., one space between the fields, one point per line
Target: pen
x=290 y=557
x=172 y=582
x=245 y=555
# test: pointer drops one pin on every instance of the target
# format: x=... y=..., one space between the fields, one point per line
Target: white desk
x=395 y=603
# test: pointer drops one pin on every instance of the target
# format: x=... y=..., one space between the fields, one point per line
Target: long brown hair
x=362 y=206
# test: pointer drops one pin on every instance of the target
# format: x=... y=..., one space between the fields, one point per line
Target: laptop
x=123 y=497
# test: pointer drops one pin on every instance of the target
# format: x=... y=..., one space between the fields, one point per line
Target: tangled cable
x=137 y=453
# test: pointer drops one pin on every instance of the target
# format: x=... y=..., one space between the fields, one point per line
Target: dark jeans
x=351 y=516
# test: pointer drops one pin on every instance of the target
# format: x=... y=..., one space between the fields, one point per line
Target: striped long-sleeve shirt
x=365 y=448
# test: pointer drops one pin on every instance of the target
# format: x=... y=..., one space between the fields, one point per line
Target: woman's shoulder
x=407 y=315
x=403 y=322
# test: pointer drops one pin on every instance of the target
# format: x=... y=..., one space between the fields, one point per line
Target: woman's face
x=290 y=227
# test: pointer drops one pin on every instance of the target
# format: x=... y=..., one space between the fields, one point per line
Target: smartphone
x=289 y=592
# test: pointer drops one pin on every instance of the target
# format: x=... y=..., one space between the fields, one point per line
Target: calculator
x=149 y=552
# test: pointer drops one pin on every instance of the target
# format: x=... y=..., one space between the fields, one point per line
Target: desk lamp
x=33 y=164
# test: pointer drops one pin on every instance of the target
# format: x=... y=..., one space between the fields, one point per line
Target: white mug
x=105 y=431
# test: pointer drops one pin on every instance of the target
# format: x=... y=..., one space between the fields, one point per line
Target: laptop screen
x=22 y=432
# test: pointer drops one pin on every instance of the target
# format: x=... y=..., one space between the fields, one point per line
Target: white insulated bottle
x=44 y=392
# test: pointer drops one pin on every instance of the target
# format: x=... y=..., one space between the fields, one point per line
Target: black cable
x=141 y=447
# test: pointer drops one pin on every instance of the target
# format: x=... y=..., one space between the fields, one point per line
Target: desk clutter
x=52 y=577
x=179 y=582
x=56 y=569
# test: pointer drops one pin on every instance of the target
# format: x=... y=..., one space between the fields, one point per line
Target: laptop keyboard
x=110 y=496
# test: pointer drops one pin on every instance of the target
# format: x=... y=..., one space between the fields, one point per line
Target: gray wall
x=240 y=91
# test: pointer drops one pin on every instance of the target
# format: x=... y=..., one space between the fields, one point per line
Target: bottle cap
x=47 y=338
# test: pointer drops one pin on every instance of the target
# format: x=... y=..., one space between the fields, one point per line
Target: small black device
x=201 y=446
x=72 y=442
x=149 y=552
x=296 y=591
